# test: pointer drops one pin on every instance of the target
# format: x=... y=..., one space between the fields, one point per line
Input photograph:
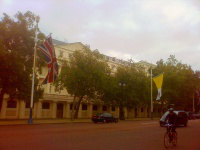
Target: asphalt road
x=125 y=135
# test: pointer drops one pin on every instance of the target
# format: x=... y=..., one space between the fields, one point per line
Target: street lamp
x=121 y=84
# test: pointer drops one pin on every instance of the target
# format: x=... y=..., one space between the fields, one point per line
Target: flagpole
x=30 y=121
x=151 y=96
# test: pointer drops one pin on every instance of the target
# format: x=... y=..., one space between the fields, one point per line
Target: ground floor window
x=104 y=108
x=113 y=108
x=28 y=105
x=84 y=107
x=94 y=107
x=71 y=106
x=45 y=105
x=11 y=104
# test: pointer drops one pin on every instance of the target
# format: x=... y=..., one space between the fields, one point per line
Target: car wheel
x=185 y=124
x=95 y=121
x=116 y=120
x=161 y=124
x=104 y=121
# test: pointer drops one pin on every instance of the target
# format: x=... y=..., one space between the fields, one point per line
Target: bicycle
x=169 y=137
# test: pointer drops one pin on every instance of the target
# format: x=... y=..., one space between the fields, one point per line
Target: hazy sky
x=138 y=29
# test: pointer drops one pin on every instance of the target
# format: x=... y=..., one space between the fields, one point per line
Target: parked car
x=197 y=116
x=104 y=117
x=181 y=120
x=190 y=115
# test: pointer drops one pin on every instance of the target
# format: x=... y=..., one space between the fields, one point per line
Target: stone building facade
x=59 y=104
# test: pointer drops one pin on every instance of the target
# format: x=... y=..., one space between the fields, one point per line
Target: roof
x=57 y=42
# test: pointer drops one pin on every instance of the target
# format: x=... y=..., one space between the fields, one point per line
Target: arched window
x=11 y=104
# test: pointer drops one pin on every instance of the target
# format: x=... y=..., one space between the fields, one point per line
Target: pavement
x=59 y=121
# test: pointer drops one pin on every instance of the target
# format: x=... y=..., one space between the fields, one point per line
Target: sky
x=147 y=30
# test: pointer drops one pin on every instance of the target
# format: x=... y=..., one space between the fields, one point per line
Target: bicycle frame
x=170 y=137
x=169 y=130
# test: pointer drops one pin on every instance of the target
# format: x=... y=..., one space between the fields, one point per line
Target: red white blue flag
x=48 y=51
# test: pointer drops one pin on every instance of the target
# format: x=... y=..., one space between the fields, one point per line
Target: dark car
x=181 y=120
x=197 y=116
x=104 y=117
x=190 y=115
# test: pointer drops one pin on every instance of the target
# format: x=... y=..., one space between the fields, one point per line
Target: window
x=50 y=88
x=94 y=108
x=142 y=110
x=28 y=105
x=70 y=55
x=104 y=108
x=84 y=107
x=158 y=110
x=71 y=106
x=11 y=104
x=61 y=54
x=113 y=108
x=113 y=66
x=45 y=105
x=113 y=59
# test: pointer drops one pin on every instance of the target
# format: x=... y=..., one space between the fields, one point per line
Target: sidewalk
x=60 y=121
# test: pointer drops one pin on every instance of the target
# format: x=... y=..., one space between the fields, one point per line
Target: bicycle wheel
x=175 y=138
x=166 y=140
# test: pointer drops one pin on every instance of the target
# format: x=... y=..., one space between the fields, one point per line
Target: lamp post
x=151 y=96
x=121 y=116
x=33 y=77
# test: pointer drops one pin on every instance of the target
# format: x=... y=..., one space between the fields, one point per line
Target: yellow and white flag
x=158 y=81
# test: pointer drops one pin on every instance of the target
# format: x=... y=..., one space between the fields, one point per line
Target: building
x=59 y=104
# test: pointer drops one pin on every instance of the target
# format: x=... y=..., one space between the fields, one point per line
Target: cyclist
x=172 y=118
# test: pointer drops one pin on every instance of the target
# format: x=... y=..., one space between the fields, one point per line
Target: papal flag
x=158 y=81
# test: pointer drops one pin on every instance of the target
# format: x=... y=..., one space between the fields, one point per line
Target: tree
x=136 y=90
x=16 y=56
x=179 y=82
x=83 y=75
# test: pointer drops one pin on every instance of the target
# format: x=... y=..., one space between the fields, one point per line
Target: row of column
x=38 y=112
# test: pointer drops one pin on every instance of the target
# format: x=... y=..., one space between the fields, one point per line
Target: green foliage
x=83 y=75
x=179 y=83
x=136 y=90
x=16 y=55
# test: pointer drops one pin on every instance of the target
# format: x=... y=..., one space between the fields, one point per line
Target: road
x=125 y=135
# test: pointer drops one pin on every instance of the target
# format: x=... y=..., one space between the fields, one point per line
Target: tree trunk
x=77 y=108
x=72 y=116
x=161 y=107
x=121 y=112
x=1 y=98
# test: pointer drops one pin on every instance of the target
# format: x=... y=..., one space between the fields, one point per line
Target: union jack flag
x=48 y=51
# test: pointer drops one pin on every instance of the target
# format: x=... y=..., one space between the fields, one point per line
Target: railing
x=56 y=96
